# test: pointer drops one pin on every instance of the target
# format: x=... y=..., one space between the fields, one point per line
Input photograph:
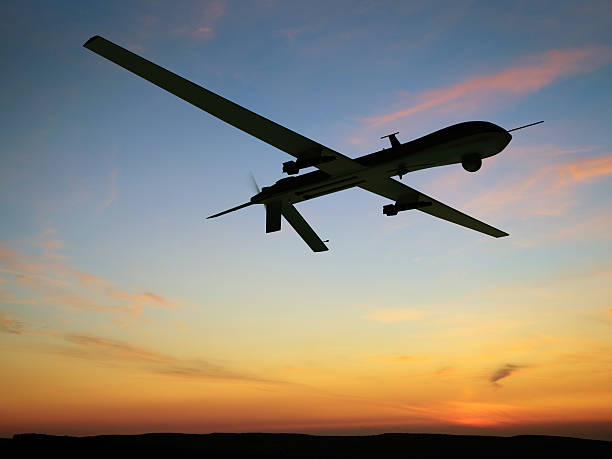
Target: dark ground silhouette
x=259 y=445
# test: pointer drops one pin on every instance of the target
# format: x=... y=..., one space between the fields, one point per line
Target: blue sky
x=106 y=175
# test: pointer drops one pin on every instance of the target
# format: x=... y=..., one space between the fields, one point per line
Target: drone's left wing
x=270 y=132
x=400 y=193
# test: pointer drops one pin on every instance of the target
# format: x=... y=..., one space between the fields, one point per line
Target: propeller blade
x=254 y=182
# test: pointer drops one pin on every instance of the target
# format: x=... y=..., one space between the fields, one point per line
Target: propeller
x=254 y=182
x=273 y=209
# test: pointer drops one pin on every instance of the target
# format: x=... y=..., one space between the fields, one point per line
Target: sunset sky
x=123 y=310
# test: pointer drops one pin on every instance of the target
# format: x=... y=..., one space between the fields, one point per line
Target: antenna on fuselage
x=392 y=139
x=523 y=127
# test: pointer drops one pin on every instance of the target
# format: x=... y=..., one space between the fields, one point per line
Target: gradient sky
x=123 y=310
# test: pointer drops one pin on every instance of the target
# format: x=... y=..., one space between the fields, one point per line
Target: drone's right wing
x=270 y=132
x=400 y=193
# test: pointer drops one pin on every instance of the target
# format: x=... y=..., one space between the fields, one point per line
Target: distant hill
x=260 y=445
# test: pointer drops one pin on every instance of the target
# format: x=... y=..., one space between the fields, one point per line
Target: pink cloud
x=538 y=72
x=545 y=191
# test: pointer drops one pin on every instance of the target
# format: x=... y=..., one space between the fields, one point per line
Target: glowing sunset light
x=124 y=310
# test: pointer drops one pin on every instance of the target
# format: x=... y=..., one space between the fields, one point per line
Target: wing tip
x=88 y=43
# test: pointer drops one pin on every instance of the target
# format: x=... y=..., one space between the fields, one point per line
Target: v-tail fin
x=302 y=227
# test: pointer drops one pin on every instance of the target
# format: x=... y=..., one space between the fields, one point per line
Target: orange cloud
x=540 y=71
x=113 y=351
x=8 y=325
x=585 y=170
x=58 y=284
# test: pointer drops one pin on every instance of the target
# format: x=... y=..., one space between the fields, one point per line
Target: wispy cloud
x=116 y=352
x=202 y=23
x=394 y=315
x=588 y=169
x=8 y=325
x=97 y=348
x=547 y=190
x=44 y=280
x=504 y=372
x=49 y=243
x=537 y=72
x=199 y=33
x=112 y=189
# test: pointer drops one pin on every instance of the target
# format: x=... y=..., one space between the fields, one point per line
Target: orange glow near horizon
x=64 y=390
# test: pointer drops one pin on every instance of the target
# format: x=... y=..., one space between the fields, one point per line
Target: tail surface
x=302 y=227
x=274 y=210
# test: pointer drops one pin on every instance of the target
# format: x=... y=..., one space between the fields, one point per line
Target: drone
x=467 y=143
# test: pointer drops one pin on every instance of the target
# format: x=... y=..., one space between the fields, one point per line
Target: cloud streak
x=116 y=352
x=8 y=325
x=546 y=190
x=202 y=23
x=539 y=71
x=112 y=189
x=504 y=372
x=43 y=280
x=587 y=170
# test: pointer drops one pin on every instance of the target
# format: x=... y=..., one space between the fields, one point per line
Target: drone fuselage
x=451 y=145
